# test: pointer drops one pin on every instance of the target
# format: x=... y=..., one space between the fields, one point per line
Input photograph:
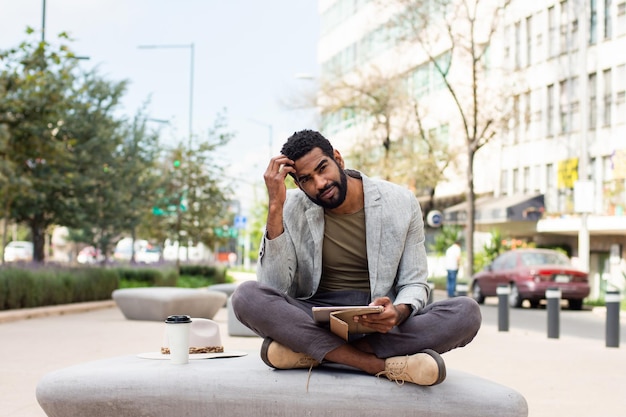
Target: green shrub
x=34 y=287
x=17 y=284
x=447 y=236
x=217 y=274
x=147 y=277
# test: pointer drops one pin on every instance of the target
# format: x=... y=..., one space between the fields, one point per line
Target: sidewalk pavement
x=569 y=376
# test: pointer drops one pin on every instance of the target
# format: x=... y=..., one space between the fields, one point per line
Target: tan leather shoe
x=281 y=357
x=424 y=368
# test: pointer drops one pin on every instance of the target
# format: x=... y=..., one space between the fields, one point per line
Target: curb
x=57 y=310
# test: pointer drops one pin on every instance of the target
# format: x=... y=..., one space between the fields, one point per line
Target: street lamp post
x=43 y=29
x=43 y=21
x=191 y=65
x=583 y=190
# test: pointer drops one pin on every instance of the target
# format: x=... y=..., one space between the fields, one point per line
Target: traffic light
x=176 y=163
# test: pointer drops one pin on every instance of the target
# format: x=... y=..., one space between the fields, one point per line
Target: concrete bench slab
x=227 y=288
x=129 y=386
x=156 y=303
x=235 y=327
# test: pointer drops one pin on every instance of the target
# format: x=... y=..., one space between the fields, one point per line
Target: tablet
x=322 y=314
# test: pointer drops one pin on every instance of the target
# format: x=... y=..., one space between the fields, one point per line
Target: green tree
x=118 y=190
x=462 y=31
x=36 y=94
x=445 y=238
x=191 y=199
x=62 y=138
x=393 y=142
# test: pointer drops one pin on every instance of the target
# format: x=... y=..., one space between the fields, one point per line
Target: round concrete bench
x=129 y=386
x=227 y=288
x=156 y=303
x=235 y=327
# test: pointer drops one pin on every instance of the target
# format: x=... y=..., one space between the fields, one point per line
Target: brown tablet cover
x=342 y=325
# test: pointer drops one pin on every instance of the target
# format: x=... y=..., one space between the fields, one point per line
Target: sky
x=248 y=58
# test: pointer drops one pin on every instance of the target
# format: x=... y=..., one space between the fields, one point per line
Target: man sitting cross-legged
x=342 y=238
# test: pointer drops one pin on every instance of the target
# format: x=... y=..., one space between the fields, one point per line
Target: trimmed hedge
x=36 y=286
x=25 y=288
x=148 y=277
x=216 y=273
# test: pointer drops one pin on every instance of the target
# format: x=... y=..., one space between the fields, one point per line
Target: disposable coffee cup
x=177 y=328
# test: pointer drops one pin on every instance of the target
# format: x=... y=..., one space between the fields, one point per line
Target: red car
x=529 y=273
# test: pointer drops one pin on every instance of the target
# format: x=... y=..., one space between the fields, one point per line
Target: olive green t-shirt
x=344 y=253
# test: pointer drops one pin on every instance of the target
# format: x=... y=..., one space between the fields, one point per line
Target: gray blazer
x=292 y=262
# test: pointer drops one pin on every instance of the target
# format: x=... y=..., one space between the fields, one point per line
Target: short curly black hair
x=303 y=142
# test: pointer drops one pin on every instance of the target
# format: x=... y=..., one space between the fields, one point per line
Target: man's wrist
x=404 y=312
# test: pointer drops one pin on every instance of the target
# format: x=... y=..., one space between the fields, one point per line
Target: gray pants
x=441 y=326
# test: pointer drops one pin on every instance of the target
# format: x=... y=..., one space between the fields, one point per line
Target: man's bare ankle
x=362 y=345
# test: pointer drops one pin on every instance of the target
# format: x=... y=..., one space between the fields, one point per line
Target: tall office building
x=550 y=95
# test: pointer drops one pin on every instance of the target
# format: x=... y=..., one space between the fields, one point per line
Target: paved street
x=570 y=376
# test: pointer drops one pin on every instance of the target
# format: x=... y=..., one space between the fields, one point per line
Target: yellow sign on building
x=568 y=173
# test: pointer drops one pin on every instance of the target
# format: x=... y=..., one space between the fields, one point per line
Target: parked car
x=144 y=252
x=89 y=255
x=529 y=273
x=148 y=255
x=18 y=251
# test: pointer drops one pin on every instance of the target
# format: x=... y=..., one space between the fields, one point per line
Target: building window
x=504 y=182
x=537 y=116
x=572 y=87
x=608 y=96
x=527 y=116
x=538 y=36
x=608 y=24
x=516 y=118
x=526 y=180
x=621 y=18
x=518 y=45
x=550 y=177
x=421 y=81
x=620 y=91
x=507 y=44
x=550 y=111
x=568 y=28
x=593 y=101
x=593 y=166
x=552 y=32
x=593 y=22
x=516 y=185
x=563 y=30
x=551 y=195
x=568 y=104
x=338 y=13
x=537 y=179
x=563 y=107
x=529 y=40
x=427 y=79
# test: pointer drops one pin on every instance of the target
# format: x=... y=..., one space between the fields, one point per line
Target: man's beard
x=339 y=198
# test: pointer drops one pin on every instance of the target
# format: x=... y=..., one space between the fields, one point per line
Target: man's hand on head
x=277 y=170
x=279 y=167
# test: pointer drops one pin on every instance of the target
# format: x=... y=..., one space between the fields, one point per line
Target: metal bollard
x=553 y=296
x=612 y=300
x=461 y=289
x=503 y=292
